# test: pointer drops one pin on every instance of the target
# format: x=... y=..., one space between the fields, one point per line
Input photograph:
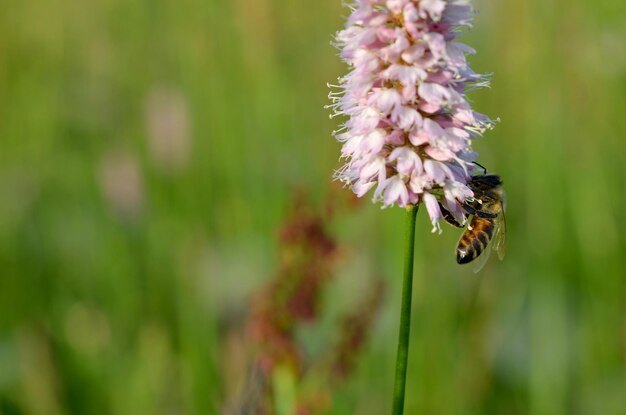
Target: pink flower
x=409 y=126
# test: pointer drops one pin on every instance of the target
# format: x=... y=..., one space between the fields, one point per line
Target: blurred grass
x=121 y=266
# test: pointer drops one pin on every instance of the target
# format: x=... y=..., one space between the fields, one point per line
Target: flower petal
x=434 y=211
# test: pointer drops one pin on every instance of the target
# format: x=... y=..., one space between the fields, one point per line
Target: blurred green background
x=149 y=151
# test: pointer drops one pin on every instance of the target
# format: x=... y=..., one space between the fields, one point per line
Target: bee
x=487 y=228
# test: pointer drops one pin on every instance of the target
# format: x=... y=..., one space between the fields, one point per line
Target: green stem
x=405 y=314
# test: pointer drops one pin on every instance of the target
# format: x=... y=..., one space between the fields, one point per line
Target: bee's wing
x=480 y=262
x=499 y=237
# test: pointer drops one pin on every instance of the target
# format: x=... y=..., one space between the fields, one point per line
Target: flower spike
x=409 y=126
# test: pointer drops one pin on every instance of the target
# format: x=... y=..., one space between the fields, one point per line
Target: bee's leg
x=485 y=215
x=449 y=217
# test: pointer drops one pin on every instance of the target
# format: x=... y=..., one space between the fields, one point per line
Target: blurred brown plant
x=355 y=329
x=308 y=254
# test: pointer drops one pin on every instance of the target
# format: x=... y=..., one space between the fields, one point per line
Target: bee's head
x=485 y=182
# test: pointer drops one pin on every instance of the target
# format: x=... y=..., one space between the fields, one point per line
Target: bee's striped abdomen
x=475 y=239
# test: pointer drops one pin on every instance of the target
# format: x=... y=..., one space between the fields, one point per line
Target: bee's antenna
x=481 y=166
